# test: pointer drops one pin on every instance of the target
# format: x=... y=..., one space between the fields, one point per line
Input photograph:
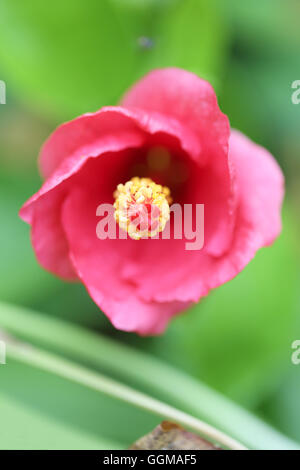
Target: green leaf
x=30 y=427
x=283 y=406
x=144 y=372
x=54 y=364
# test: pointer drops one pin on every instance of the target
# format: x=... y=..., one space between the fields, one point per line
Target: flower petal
x=107 y=130
x=119 y=274
x=189 y=275
x=260 y=188
x=192 y=101
x=48 y=238
x=98 y=264
x=67 y=151
x=260 y=191
x=186 y=97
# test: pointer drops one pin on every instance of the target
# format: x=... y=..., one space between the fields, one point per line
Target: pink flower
x=141 y=284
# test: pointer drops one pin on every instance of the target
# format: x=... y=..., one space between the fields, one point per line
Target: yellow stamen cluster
x=135 y=201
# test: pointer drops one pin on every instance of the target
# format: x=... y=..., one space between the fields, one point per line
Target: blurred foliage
x=42 y=401
x=74 y=57
x=264 y=62
x=58 y=342
x=70 y=60
x=283 y=409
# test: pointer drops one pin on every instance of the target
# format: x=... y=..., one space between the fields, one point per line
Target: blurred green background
x=64 y=58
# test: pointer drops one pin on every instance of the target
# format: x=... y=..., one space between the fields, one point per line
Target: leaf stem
x=69 y=370
x=144 y=372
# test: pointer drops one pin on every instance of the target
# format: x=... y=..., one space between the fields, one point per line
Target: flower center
x=142 y=207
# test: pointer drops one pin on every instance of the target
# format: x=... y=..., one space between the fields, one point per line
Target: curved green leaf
x=159 y=379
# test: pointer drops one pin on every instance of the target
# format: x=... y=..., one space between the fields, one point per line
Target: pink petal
x=192 y=100
x=48 y=238
x=186 y=97
x=106 y=130
x=260 y=187
x=98 y=264
x=120 y=274
x=260 y=191
x=66 y=153
x=140 y=285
